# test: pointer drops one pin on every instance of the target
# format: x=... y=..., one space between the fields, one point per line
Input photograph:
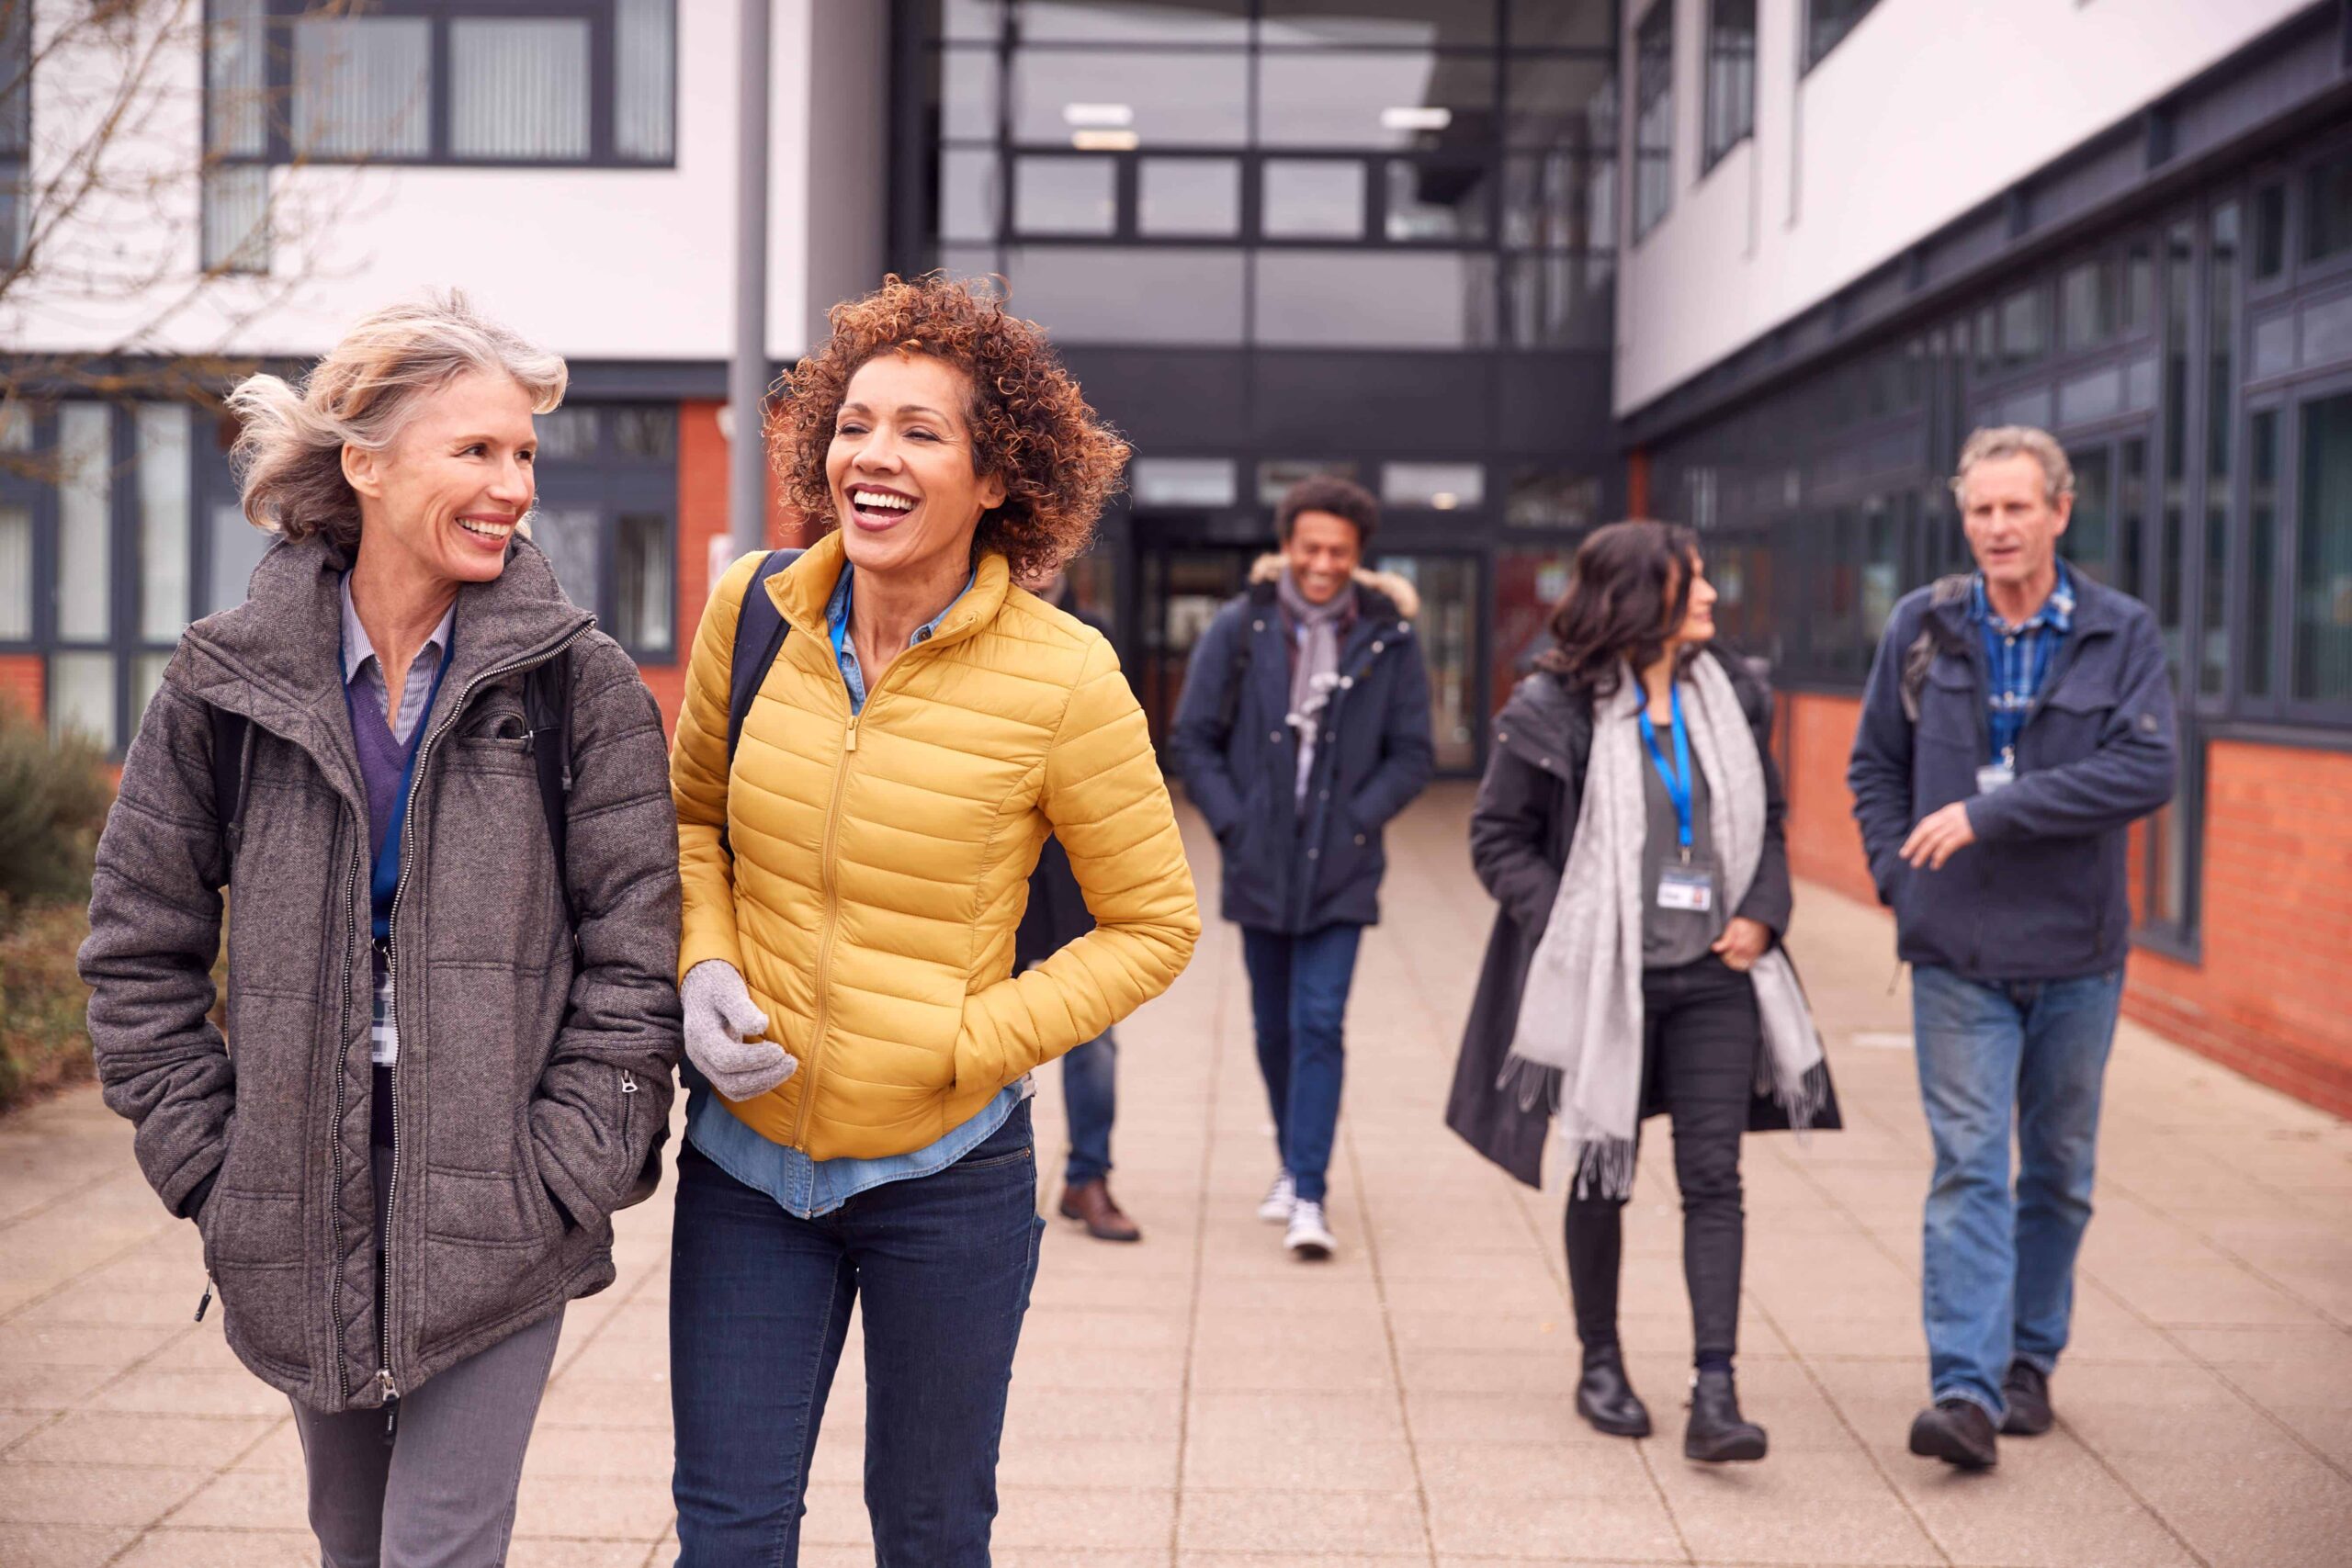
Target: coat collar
x=276 y=657
x=802 y=590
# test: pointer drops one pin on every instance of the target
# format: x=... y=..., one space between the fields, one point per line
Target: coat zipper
x=342 y=1071
x=385 y=1381
x=828 y=874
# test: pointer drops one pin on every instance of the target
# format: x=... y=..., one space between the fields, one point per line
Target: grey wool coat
x=533 y=1071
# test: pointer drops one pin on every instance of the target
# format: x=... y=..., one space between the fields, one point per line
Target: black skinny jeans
x=1701 y=1033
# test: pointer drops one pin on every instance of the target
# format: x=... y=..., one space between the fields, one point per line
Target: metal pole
x=746 y=376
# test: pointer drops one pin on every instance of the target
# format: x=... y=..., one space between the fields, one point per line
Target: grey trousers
x=443 y=1495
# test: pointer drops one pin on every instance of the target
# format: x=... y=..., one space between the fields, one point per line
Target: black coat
x=1238 y=758
x=1519 y=834
x=1056 y=914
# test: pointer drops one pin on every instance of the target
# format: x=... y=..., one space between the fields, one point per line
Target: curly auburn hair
x=1031 y=426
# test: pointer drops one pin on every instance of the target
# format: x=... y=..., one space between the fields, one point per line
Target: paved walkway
x=1201 y=1401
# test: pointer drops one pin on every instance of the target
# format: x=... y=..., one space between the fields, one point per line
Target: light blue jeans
x=1999 y=1278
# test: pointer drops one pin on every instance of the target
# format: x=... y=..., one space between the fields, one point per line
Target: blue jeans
x=1299 y=999
x=1998 y=1280
x=1090 y=1097
x=941 y=1266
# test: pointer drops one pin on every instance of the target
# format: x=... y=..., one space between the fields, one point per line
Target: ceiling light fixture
x=1105 y=140
x=1098 y=114
x=1416 y=119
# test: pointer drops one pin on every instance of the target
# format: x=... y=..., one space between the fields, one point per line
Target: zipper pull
x=850 y=743
x=384 y=1380
x=205 y=1299
x=629 y=1081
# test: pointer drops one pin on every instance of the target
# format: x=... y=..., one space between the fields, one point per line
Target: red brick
x=2268 y=996
x=23 y=681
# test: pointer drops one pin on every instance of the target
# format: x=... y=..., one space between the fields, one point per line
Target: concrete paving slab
x=1199 y=1401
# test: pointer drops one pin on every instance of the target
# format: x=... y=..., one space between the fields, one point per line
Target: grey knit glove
x=723 y=1030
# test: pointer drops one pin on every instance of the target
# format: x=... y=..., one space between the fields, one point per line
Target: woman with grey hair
x=442 y=801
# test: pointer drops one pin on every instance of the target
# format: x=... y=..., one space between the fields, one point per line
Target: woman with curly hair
x=854 y=867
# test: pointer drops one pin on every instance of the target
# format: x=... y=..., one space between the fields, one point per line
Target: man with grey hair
x=2019 y=720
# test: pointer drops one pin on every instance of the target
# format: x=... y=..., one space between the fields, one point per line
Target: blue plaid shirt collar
x=2057 y=612
x=845 y=652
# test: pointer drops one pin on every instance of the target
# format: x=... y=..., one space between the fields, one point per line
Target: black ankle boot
x=1607 y=1400
x=1717 y=1432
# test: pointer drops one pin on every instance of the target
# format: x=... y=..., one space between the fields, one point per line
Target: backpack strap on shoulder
x=759 y=638
x=229 y=732
x=1935 y=638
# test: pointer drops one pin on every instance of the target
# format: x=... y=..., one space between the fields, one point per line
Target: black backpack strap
x=229 y=731
x=759 y=638
x=1229 y=711
x=547 y=700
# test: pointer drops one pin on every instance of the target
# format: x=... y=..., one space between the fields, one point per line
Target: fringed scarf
x=1579 y=1037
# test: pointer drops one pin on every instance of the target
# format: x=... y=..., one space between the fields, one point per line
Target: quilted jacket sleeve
x=1109 y=806
x=699 y=781
x=154 y=927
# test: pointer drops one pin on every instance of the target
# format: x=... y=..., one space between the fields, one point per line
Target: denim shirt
x=810 y=1188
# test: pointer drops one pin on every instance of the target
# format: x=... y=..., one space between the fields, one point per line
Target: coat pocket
x=253 y=1249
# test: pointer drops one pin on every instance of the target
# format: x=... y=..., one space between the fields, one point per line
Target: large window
x=1731 y=77
x=1362 y=174
x=16 y=128
x=607 y=517
x=498 y=82
x=2322 y=607
x=1826 y=23
x=1653 y=116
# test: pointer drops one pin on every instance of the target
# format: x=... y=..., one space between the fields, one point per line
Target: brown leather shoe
x=1091 y=1203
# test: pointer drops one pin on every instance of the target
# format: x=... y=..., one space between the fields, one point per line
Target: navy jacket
x=2041 y=895
x=1288 y=869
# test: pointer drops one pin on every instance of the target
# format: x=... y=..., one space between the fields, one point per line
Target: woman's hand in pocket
x=1743 y=943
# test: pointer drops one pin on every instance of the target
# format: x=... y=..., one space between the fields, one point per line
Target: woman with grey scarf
x=1630 y=827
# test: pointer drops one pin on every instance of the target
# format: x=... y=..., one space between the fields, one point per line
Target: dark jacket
x=1055 y=915
x=1239 y=756
x=1520 y=831
x=531 y=1071
x=2041 y=895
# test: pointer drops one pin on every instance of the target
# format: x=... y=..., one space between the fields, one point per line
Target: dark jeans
x=1701 y=1033
x=1090 y=1097
x=1999 y=1280
x=1298 y=998
x=759 y=1301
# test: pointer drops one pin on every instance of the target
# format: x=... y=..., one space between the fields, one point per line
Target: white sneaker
x=1309 y=1240
x=1280 y=1198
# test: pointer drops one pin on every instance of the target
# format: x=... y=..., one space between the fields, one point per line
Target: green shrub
x=42 y=1001
x=54 y=800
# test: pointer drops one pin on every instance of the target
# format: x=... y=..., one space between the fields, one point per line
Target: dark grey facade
x=1274 y=237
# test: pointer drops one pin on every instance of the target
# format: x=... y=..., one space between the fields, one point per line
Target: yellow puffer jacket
x=881 y=864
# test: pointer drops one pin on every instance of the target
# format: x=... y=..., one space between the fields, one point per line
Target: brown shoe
x=1089 y=1202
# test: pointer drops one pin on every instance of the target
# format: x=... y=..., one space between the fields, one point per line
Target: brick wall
x=701 y=517
x=1824 y=844
x=23 y=682
x=2271 y=995
x=2268 y=996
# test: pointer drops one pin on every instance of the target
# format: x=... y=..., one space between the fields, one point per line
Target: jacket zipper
x=385 y=1381
x=828 y=874
x=341 y=1069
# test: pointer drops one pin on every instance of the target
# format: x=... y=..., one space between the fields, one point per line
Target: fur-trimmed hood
x=1400 y=590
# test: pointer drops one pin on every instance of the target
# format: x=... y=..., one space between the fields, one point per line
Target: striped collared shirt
x=2017 y=659
x=363 y=672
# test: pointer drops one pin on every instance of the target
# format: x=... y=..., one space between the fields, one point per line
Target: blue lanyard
x=1676 y=778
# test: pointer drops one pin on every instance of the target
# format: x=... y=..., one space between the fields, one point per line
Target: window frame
x=1807 y=55
x=611 y=484
x=1710 y=153
x=1641 y=102
x=603 y=19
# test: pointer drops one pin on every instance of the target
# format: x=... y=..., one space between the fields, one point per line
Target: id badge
x=1690 y=888
x=1995 y=776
